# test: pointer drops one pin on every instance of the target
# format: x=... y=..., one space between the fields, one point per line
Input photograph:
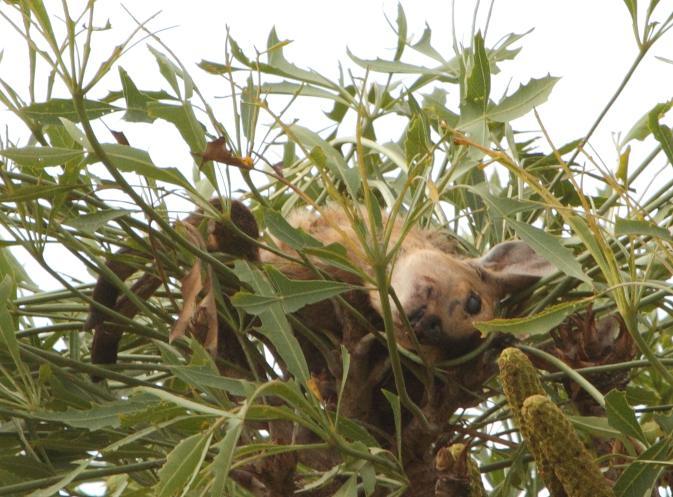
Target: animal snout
x=429 y=331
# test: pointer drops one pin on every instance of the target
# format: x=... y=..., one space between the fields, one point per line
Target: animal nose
x=429 y=330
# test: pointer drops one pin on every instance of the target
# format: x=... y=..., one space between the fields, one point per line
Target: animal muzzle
x=429 y=331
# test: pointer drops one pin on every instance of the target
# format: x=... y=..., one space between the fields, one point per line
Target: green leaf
x=417 y=144
x=26 y=193
x=274 y=324
x=136 y=101
x=348 y=489
x=90 y=223
x=641 y=129
x=662 y=133
x=504 y=206
x=7 y=326
x=401 y=32
x=168 y=70
x=549 y=247
x=589 y=239
x=203 y=377
x=333 y=159
x=639 y=478
x=594 y=425
x=277 y=61
x=632 y=6
x=306 y=90
x=621 y=416
x=625 y=226
x=296 y=238
x=252 y=303
x=523 y=100
x=424 y=45
x=225 y=455
x=103 y=416
x=396 y=406
x=51 y=111
x=397 y=67
x=134 y=160
x=622 y=173
x=182 y=465
x=41 y=156
x=249 y=109
x=295 y=294
x=535 y=324
x=479 y=80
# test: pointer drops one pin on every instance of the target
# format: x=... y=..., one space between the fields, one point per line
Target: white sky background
x=588 y=43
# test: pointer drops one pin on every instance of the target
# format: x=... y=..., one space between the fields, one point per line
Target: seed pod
x=573 y=465
x=520 y=380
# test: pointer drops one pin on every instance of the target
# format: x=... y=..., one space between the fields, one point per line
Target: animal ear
x=512 y=266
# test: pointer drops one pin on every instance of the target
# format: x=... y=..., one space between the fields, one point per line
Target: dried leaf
x=217 y=151
x=120 y=137
x=191 y=287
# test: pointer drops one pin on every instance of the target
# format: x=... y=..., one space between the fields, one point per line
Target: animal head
x=442 y=295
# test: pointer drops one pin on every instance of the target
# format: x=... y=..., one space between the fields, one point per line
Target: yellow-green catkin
x=454 y=461
x=520 y=380
x=573 y=464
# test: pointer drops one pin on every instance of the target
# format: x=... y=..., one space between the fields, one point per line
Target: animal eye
x=473 y=304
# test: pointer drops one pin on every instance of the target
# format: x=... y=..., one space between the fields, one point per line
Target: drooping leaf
x=90 y=223
x=662 y=133
x=401 y=32
x=332 y=159
x=103 y=416
x=478 y=87
x=225 y=456
x=182 y=465
x=203 y=377
x=286 y=233
x=41 y=156
x=134 y=160
x=523 y=100
x=274 y=322
x=535 y=324
x=276 y=60
x=51 y=111
x=641 y=129
x=639 y=478
x=624 y=226
x=621 y=415
x=7 y=327
x=170 y=72
x=424 y=45
x=136 y=101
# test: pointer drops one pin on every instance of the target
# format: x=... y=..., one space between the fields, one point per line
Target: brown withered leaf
x=191 y=286
x=120 y=137
x=217 y=151
x=204 y=322
x=199 y=317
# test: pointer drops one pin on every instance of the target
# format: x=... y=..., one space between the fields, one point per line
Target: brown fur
x=433 y=284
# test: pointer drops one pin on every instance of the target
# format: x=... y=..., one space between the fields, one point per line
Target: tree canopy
x=175 y=416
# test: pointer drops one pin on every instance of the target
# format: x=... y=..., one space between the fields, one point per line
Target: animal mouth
x=428 y=329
